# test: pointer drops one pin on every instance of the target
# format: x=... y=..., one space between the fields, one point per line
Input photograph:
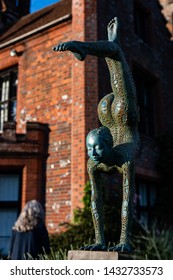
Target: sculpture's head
x=99 y=144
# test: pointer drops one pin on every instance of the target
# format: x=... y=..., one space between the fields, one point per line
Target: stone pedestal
x=99 y=255
x=92 y=255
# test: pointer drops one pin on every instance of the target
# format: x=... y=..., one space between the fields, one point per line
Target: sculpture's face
x=98 y=150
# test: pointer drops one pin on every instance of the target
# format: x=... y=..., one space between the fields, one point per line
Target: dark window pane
x=10 y=190
x=7 y=218
x=9 y=187
x=8 y=91
x=12 y=110
x=146 y=197
x=142 y=22
x=14 y=82
x=145 y=95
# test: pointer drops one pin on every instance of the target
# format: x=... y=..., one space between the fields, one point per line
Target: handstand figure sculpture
x=115 y=143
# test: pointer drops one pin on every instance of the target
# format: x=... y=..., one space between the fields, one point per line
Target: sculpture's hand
x=121 y=248
x=74 y=46
x=65 y=46
x=94 y=247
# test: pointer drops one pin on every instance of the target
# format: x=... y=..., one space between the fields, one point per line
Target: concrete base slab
x=92 y=255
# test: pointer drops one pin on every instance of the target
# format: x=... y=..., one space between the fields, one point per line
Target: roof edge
x=38 y=29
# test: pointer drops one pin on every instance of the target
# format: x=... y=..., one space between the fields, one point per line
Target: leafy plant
x=154 y=244
x=57 y=255
x=81 y=232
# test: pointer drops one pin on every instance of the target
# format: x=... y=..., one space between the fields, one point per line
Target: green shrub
x=54 y=255
x=81 y=231
x=154 y=244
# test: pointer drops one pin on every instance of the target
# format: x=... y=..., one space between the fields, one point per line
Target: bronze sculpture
x=114 y=144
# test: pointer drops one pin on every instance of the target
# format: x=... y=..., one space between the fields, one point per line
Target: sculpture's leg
x=82 y=49
x=127 y=209
x=97 y=212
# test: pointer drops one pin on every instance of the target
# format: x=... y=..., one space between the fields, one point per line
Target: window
x=146 y=198
x=142 y=22
x=8 y=91
x=10 y=189
x=145 y=87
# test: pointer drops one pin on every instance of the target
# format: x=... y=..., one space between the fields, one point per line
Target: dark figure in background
x=114 y=145
x=29 y=234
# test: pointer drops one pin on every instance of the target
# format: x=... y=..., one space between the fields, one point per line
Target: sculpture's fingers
x=60 y=47
x=55 y=48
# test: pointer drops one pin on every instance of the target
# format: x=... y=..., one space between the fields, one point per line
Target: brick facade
x=26 y=153
x=61 y=94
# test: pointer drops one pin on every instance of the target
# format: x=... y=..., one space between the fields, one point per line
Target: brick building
x=167 y=10
x=49 y=101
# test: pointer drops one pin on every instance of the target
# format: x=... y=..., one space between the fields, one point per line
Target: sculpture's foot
x=94 y=247
x=112 y=29
x=121 y=248
x=72 y=46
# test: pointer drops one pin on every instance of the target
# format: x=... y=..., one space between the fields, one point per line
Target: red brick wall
x=45 y=96
x=85 y=95
x=45 y=90
x=56 y=89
